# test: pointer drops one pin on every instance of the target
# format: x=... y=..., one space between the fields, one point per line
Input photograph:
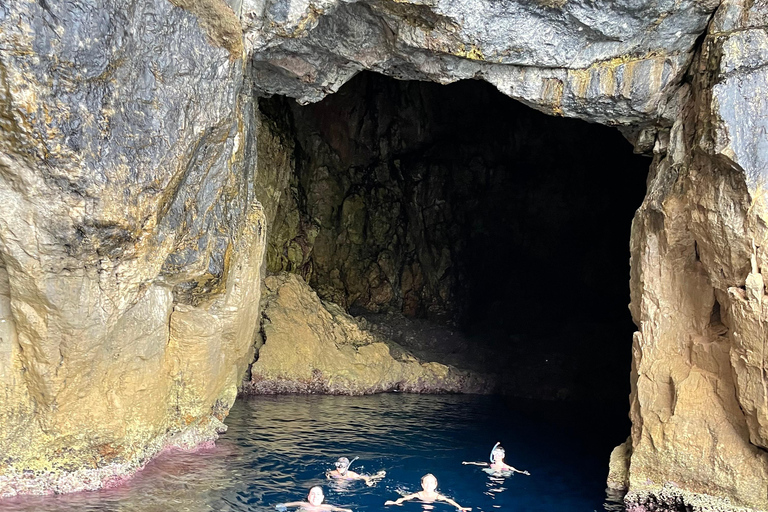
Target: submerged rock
x=312 y=346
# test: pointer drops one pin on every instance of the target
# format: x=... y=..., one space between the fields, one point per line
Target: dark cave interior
x=457 y=204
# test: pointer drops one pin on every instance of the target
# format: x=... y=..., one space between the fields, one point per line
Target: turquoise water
x=276 y=448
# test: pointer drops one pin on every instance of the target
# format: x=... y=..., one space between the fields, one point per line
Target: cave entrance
x=455 y=204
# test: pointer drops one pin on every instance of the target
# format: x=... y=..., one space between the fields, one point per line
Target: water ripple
x=278 y=447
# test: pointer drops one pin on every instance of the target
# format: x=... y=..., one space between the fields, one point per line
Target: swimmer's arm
x=371 y=480
x=510 y=468
x=451 y=502
x=367 y=478
x=476 y=463
x=398 y=501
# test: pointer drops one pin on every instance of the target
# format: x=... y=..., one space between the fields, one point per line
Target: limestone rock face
x=311 y=346
x=699 y=402
x=130 y=237
x=610 y=62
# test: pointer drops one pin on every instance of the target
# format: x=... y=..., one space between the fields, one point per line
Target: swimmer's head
x=498 y=453
x=429 y=482
x=315 y=496
x=342 y=464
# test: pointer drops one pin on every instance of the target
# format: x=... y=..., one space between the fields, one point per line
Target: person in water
x=497 y=464
x=314 y=503
x=342 y=472
x=428 y=494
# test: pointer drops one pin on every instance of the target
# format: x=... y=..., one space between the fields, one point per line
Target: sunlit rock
x=311 y=346
x=130 y=237
x=699 y=396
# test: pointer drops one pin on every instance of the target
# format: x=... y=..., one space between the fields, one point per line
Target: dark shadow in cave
x=459 y=205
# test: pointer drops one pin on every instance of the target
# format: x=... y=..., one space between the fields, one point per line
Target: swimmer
x=314 y=503
x=342 y=472
x=428 y=494
x=497 y=462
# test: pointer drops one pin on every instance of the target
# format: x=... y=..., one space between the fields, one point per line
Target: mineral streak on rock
x=311 y=346
x=130 y=236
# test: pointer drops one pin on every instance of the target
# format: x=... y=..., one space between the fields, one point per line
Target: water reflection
x=614 y=500
x=494 y=486
x=182 y=479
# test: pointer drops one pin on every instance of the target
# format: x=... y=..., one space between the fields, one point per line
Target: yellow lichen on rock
x=552 y=95
x=613 y=76
x=472 y=52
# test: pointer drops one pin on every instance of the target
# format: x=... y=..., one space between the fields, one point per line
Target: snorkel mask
x=497 y=449
x=343 y=464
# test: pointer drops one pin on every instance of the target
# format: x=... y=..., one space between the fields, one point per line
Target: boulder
x=312 y=346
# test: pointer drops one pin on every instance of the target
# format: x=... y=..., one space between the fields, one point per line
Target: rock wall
x=610 y=62
x=130 y=237
x=699 y=397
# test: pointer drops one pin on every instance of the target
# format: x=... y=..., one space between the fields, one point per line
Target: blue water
x=276 y=448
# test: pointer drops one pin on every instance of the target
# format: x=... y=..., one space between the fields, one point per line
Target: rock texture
x=428 y=200
x=131 y=233
x=130 y=238
x=311 y=346
x=610 y=62
x=699 y=401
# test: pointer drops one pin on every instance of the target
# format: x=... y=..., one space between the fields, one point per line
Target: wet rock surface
x=311 y=346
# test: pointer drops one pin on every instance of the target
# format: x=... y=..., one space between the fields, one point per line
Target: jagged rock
x=311 y=346
x=618 y=466
x=699 y=401
x=608 y=62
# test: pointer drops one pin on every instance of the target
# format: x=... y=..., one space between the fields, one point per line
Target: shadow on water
x=278 y=447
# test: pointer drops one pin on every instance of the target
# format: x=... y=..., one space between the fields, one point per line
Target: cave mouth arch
x=456 y=204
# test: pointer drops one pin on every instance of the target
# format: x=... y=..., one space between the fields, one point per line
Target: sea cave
x=463 y=222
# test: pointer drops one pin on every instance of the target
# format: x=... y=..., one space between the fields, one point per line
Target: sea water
x=278 y=447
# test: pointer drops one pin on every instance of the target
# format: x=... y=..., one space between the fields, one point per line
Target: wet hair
x=497 y=449
x=427 y=476
x=343 y=462
x=315 y=487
